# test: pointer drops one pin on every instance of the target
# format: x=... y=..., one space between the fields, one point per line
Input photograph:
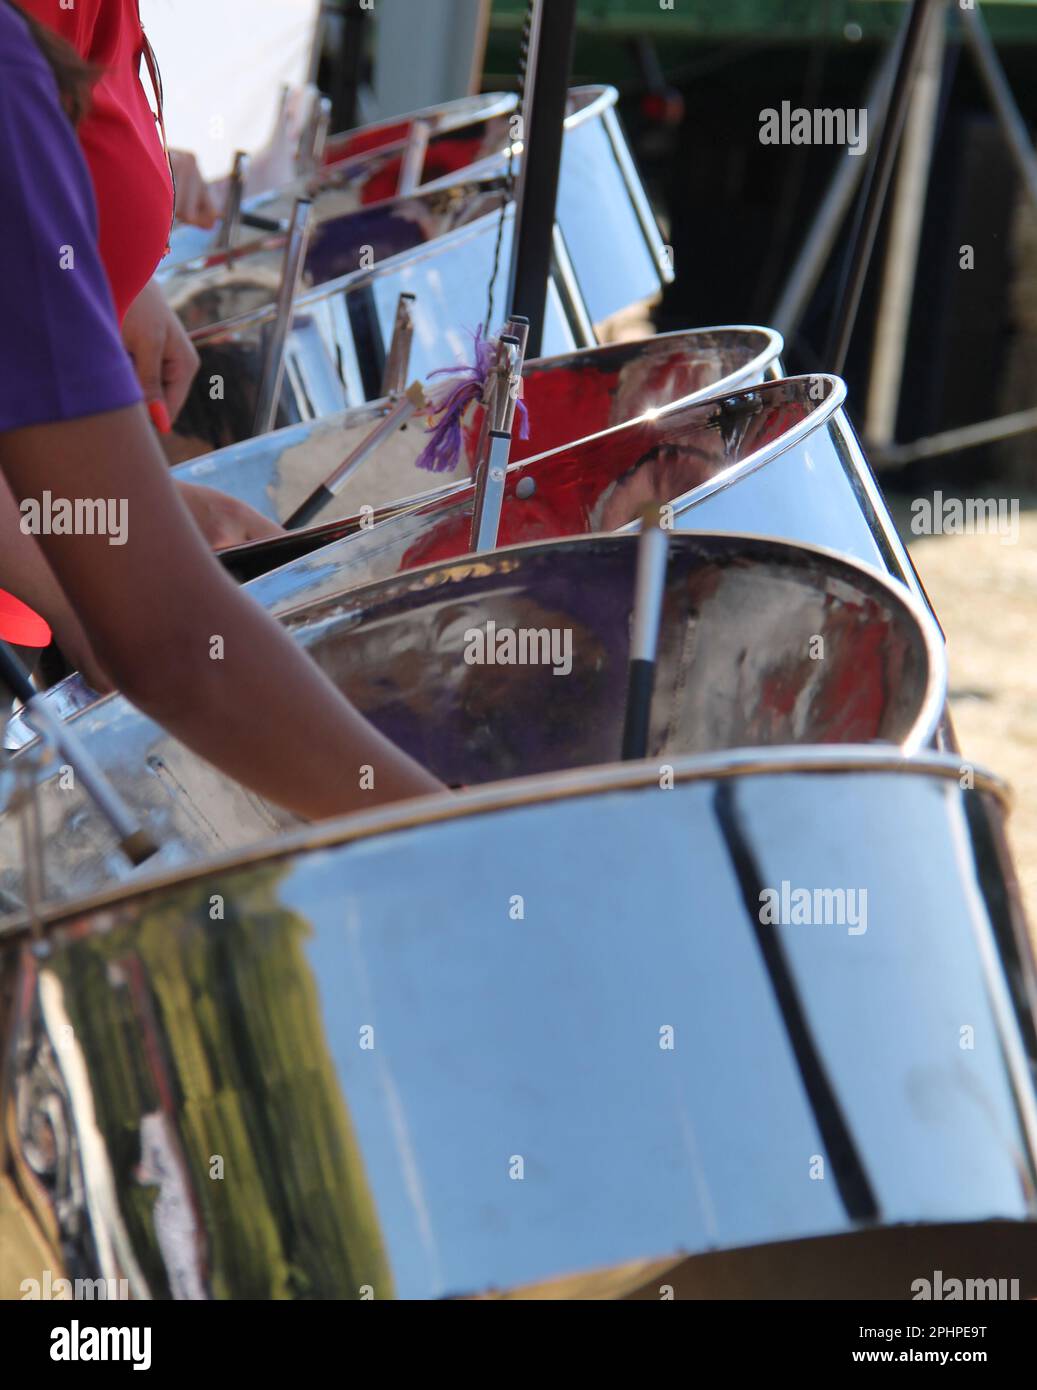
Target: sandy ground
x=985 y=595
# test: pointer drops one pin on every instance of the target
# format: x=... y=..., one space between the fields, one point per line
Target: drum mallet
x=652 y=553
x=411 y=403
x=397 y=359
x=269 y=391
x=232 y=210
x=134 y=841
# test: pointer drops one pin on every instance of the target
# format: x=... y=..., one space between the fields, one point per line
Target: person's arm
x=183 y=642
x=25 y=573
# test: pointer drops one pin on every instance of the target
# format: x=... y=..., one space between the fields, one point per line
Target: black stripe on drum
x=851 y=1180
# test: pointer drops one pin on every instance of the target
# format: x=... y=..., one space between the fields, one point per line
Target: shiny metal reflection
x=567 y=397
x=440 y=245
x=342 y=329
x=781 y=459
x=762 y=643
x=418 y=1090
x=363 y=166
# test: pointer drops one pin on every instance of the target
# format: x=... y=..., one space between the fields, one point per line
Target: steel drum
x=608 y=228
x=762 y=643
x=340 y=333
x=780 y=459
x=342 y=326
x=228 y=284
x=543 y=1040
x=798 y=473
x=567 y=397
x=365 y=166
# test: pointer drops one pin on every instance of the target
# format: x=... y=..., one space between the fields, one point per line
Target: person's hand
x=223 y=520
x=194 y=203
x=163 y=355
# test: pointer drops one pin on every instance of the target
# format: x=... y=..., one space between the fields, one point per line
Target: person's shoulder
x=19 y=54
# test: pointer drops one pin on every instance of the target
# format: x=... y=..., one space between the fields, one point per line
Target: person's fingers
x=179 y=364
x=146 y=349
x=260 y=528
x=239 y=524
x=194 y=202
x=203 y=209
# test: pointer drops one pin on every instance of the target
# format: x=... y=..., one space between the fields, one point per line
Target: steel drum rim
x=728 y=386
x=328 y=288
x=599 y=99
x=494 y=104
x=788 y=439
x=820 y=760
x=238 y=256
x=605 y=99
x=932 y=705
x=444 y=116
x=773 y=347
x=825 y=412
x=363 y=595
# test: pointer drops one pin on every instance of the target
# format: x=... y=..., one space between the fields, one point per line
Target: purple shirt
x=60 y=351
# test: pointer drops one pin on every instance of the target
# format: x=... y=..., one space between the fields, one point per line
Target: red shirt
x=120 y=140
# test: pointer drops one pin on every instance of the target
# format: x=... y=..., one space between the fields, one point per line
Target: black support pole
x=876 y=184
x=543 y=113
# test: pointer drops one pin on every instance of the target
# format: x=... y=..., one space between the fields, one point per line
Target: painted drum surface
x=363 y=166
x=550 y=1038
x=780 y=460
x=516 y=662
x=566 y=397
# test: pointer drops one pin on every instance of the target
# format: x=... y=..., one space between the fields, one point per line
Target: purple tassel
x=450 y=402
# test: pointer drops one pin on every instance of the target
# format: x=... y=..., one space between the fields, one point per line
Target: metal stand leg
x=879 y=431
x=901 y=258
x=809 y=265
x=880 y=169
x=1001 y=99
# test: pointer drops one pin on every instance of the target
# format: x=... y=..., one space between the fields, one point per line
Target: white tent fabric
x=223 y=64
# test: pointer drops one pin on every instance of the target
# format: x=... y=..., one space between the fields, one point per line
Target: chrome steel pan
x=780 y=460
x=599 y=190
x=543 y=1040
x=227 y=284
x=797 y=473
x=341 y=331
x=567 y=397
x=343 y=324
x=364 y=166
x=762 y=643
x=609 y=231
